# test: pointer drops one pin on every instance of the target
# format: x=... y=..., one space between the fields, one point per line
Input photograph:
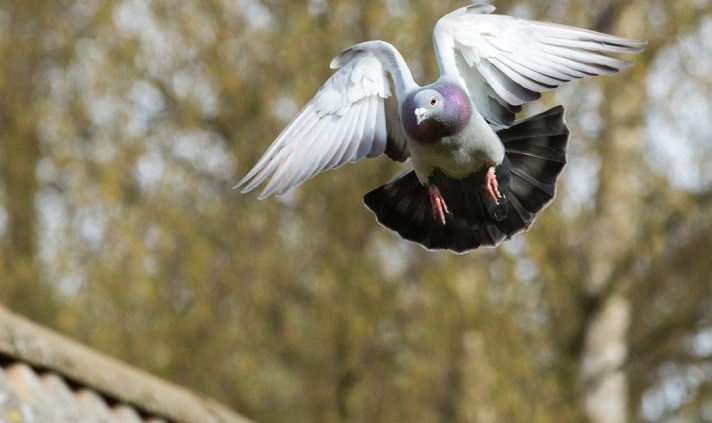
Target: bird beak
x=421 y=113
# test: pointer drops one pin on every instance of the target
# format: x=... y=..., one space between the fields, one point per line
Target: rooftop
x=46 y=377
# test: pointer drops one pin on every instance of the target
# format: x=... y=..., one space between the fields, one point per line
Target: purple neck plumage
x=454 y=115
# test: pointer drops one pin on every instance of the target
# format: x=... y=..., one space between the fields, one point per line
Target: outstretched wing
x=505 y=61
x=352 y=116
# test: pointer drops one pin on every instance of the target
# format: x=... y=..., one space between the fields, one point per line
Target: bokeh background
x=124 y=124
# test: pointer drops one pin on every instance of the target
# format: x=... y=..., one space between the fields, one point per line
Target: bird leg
x=491 y=186
x=437 y=201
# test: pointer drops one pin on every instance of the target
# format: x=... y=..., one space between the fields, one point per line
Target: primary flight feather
x=479 y=176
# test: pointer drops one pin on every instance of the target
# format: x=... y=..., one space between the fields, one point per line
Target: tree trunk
x=614 y=232
x=19 y=144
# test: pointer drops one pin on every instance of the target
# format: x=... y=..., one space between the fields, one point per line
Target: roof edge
x=43 y=348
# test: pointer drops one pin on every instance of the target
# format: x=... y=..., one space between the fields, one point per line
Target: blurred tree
x=124 y=125
x=25 y=46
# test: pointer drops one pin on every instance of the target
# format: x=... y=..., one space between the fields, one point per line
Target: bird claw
x=437 y=202
x=491 y=186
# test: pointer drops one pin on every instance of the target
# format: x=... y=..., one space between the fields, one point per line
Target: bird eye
x=433 y=101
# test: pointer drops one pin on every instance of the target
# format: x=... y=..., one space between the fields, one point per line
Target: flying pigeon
x=479 y=176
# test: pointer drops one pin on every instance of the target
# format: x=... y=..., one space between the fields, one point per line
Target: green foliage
x=123 y=126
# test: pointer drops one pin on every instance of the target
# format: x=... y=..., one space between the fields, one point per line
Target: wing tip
x=248 y=188
x=240 y=186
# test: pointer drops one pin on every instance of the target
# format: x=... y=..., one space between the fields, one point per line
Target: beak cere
x=420 y=114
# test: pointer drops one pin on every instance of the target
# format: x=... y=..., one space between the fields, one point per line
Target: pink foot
x=438 y=203
x=491 y=186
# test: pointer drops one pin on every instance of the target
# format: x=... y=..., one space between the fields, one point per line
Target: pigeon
x=479 y=176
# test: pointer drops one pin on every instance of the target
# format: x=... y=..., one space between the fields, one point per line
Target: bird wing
x=505 y=61
x=352 y=116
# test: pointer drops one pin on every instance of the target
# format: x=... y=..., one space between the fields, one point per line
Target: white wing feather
x=344 y=122
x=505 y=61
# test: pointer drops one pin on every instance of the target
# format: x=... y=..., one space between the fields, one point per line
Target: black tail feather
x=535 y=150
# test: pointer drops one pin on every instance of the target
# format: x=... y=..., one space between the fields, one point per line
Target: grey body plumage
x=451 y=136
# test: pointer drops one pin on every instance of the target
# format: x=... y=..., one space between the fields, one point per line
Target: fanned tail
x=535 y=155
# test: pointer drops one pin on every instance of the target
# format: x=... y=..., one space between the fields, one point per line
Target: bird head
x=436 y=111
x=427 y=103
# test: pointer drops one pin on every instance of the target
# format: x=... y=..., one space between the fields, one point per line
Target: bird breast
x=474 y=148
